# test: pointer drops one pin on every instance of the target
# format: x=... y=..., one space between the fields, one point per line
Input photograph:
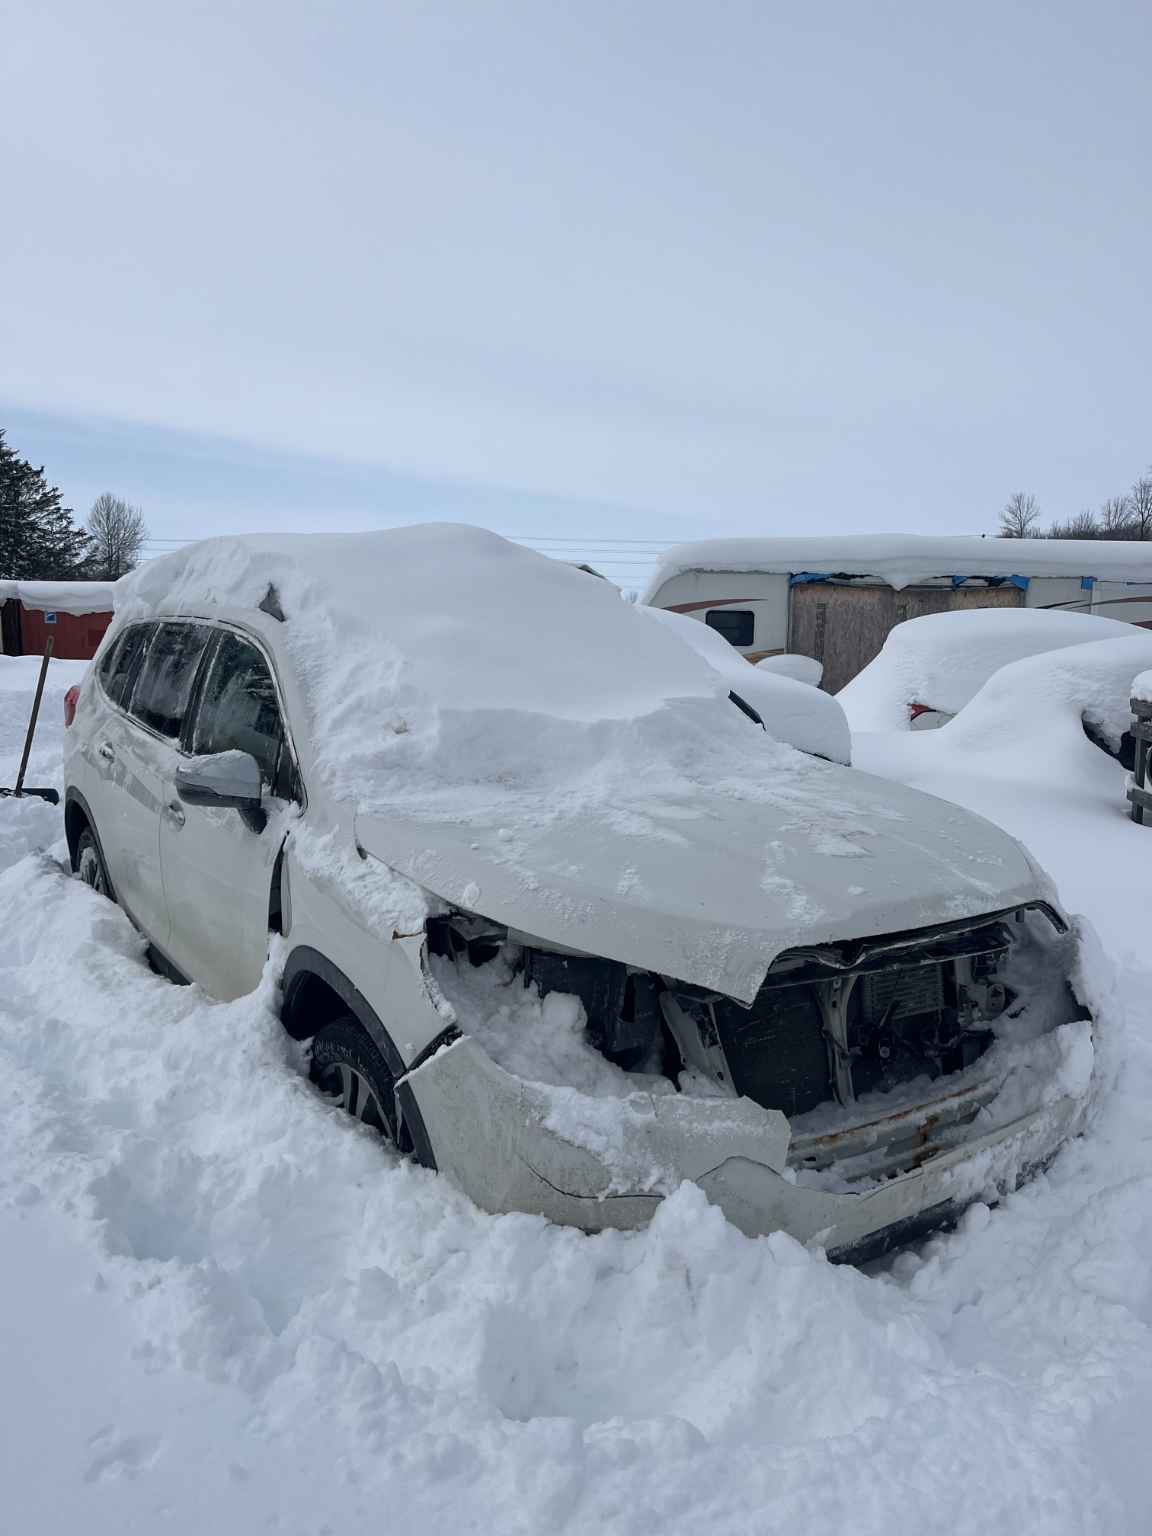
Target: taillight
x=916 y=710
x=71 y=698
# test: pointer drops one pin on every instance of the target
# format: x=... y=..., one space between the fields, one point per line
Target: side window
x=118 y=669
x=737 y=625
x=160 y=698
x=239 y=711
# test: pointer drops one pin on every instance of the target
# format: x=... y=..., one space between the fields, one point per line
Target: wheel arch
x=78 y=818
x=315 y=992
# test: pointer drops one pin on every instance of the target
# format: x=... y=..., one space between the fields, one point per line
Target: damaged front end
x=870 y=1091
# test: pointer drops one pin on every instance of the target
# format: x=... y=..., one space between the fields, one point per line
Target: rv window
x=735 y=624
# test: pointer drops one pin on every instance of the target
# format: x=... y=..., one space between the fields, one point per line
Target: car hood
x=710 y=890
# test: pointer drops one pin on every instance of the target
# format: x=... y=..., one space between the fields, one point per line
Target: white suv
x=557 y=918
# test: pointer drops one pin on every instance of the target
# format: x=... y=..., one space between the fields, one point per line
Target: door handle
x=107 y=752
x=175 y=812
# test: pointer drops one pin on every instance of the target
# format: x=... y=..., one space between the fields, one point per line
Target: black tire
x=88 y=865
x=350 y=1071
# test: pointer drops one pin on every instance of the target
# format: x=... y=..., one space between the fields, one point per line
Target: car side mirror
x=226 y=779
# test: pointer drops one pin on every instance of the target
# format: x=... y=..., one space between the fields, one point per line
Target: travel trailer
x=835 y=599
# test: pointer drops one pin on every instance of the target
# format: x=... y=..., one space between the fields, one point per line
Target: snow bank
x=230 y=1309
x=791 y=709
x=903 y=558
x=942 y=659
x=76 y=597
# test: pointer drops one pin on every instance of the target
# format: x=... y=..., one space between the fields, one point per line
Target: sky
x=602 y=276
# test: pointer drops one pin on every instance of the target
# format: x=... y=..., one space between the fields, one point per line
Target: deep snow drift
x=230 y=1310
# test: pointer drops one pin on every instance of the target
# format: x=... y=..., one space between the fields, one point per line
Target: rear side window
x=239 y=710
x=164 y=687
x=737 y=625
x=118 y=669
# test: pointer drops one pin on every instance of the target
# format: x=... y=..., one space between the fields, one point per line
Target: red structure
x=74 y=613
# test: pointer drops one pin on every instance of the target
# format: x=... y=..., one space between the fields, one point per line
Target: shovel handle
x=19 y=790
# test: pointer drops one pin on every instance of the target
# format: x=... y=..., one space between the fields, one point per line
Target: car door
x=94 y=769
x=141 y=748
x=218 y=864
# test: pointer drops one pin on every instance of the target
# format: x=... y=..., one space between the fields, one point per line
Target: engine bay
x=830 y=1026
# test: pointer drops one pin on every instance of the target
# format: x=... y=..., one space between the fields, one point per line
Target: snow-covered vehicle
x=548 y=922
x=930 y=667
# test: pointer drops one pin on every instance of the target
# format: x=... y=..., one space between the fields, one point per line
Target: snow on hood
x=941 y=660
x=791 y=710
x=901 y=558
x=520 y=741
x=684 y=872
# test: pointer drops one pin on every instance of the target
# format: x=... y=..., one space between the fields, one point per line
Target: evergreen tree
x=38 y=541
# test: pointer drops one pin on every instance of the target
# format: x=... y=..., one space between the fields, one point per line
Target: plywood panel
x=845 y=626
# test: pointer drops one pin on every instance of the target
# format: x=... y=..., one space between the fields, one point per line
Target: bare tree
x=1140 y=507
x=1082 y=526
x=1019 y=517
x=1116 y=518
x=117 y=532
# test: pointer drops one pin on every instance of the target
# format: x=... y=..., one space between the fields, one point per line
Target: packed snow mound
x=790 y=708
x=903 y=558
x=450 y=672
x=1142 y=688
x=805 y=669
x=942 y=660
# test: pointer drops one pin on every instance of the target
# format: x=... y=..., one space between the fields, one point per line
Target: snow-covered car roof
x=792 y=711
x=1032 y=700
x=76 y=597
x=901 y=558
x=941 y=660
x=516 y=739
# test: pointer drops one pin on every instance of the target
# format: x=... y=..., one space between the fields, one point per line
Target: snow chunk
x=1142 y=688
x=540 y=1039
x=804 y=669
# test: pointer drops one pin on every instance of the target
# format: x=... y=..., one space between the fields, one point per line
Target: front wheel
x=349 y=1070
x=88 y=864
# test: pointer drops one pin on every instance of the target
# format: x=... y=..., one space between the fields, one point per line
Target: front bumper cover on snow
x=598 y=1163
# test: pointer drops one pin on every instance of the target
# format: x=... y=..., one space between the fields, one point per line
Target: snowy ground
x=227 y=1309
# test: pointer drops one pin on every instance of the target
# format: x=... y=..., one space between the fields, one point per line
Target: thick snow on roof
x=61 y=596
x=442 y=662
x=900 y=558
x=941 y=660
x=457 y=615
